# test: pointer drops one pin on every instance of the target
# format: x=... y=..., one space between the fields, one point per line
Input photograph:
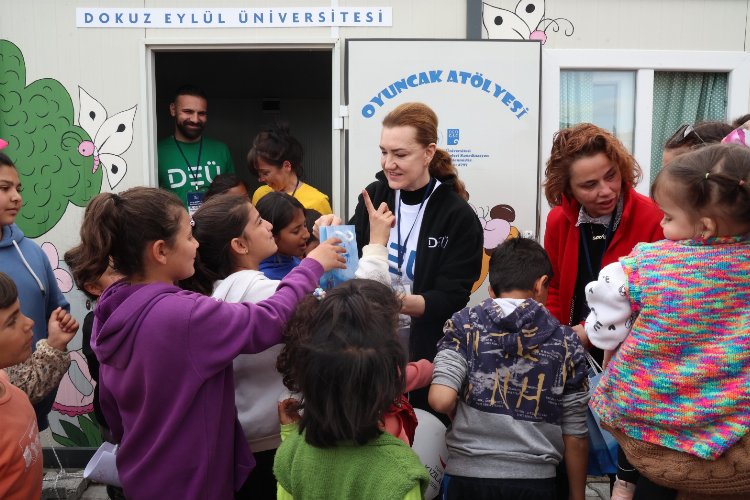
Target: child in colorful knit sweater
x=681 y=377
x=343 y=355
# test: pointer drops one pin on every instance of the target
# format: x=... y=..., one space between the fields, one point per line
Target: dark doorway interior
x=248 y=90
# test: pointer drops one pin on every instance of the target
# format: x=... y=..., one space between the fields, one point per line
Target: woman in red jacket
x=597 y=217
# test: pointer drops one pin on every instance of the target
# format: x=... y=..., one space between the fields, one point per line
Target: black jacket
x=449 y=258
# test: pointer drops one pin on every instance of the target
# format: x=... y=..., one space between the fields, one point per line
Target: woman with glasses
x=689 y=137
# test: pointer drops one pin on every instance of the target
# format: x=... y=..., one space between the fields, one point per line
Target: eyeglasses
x=681 y=136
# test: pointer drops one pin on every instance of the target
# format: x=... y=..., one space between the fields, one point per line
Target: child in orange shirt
x=20 y=448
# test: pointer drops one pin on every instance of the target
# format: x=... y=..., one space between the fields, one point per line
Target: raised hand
x=381 y=220
x=328 y=254
x=61 y=328
x=325 y=220
x=289 y=411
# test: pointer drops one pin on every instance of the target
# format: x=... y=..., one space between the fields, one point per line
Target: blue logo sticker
x=453 y=136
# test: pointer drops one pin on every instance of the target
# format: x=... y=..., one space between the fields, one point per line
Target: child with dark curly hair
x=343 y=355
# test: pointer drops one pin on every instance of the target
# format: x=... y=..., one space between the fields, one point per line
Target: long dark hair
x=279 y=209
x=424 y=120
x=699 y=135
x=217 y=222
x=121 y=225
x=343 y=354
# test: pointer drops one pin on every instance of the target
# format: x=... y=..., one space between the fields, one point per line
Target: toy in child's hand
x=348 y=238
x=61 y=329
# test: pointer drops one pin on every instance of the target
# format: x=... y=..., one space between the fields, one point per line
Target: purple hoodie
x=166 y=383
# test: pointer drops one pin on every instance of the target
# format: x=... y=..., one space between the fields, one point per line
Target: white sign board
x=486 y=96
x=273 y=17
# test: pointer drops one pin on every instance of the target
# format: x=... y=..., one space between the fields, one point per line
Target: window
x=731 y=80
x=645 y=64
x=604 y=98
x=684 y=97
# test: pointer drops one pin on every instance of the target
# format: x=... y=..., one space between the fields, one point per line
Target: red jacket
x=640 y=221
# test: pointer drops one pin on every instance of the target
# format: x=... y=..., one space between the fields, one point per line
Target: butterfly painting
x=525 y=22
x=112 y=136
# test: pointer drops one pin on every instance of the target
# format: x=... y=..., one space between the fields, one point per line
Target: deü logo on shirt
x=199 y=176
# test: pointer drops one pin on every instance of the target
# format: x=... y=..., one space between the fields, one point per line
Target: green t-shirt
x=174 y=174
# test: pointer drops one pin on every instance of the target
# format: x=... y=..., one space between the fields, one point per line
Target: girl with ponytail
x=165 y=354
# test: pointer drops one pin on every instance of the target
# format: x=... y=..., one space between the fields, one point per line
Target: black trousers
x=479 y=488
x=261 y=483
x=562 y=484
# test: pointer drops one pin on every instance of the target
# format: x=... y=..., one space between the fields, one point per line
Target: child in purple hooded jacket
x=165 y=354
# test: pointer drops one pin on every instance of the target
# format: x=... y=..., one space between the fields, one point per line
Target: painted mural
x=524 y=20
x=60 y=162
x=112 y=136
x=497 y=224
x=36 y=120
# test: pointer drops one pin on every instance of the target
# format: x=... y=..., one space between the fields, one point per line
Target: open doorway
x=250 y=89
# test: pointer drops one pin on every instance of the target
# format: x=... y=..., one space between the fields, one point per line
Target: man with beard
x=188 y=161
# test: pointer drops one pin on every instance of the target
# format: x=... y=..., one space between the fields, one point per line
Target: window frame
x=644 y=63
x=606 y=76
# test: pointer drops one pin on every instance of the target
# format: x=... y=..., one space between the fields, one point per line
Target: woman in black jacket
x=435 y=248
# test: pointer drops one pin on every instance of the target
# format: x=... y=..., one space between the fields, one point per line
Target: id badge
x=194 y=201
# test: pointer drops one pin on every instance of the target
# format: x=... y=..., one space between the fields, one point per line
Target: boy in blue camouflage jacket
x=515 y=382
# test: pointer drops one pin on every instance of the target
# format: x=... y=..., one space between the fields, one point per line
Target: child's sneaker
x=622 y=490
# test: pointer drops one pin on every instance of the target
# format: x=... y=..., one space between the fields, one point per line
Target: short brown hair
x=581 y=141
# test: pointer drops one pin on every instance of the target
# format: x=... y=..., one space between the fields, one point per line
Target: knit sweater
x=682 y=377
x=384 y=468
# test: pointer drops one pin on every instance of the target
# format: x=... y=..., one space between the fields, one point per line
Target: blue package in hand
x=348 y=239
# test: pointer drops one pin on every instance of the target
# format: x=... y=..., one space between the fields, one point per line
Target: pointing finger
x=368 y=202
